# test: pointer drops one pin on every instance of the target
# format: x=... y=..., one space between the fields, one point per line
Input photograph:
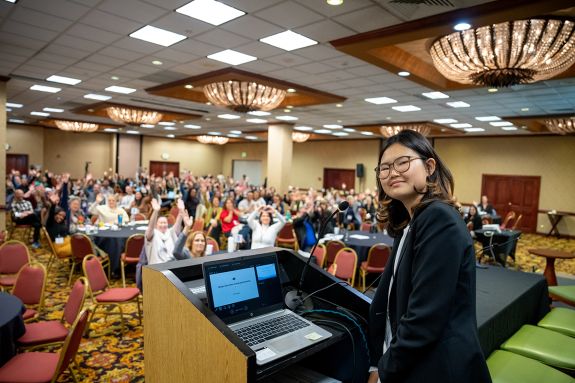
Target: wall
x=24 y=139
x=253 y=151
x=199 y=158
x=551 y=158
x=128 y=154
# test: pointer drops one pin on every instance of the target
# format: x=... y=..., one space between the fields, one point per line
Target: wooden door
x=335 y=178
x=17 y=162
x=162 y=168
x=514 y=193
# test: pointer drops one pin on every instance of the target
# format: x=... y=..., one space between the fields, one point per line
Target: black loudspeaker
x=359 y=171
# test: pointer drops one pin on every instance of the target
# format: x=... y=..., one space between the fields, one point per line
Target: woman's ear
x=430 y=166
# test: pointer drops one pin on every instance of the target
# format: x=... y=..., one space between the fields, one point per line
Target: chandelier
x=561 y=125
x=299 y=137
x=506 y=54
x=213 y=140
x=76 y=126
x=244 y=96
x=133 y=116
x=392 y=130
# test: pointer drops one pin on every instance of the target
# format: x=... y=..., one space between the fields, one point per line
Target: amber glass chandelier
x=506 y=54
x=133 y=116
x=300 y=137
x=213 y=140
x=76 y=126
x=392 y=130
x=244 y=96
x=561 y=125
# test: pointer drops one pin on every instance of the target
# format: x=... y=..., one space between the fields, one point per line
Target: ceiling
x=89 y=40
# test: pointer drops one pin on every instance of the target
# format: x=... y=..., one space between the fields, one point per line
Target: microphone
x=293 y=299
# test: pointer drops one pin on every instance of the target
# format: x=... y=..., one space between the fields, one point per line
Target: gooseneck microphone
x=293 y=299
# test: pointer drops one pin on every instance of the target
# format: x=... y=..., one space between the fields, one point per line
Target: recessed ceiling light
x=367 y=133
x=251 y=137
x=112 y=130
x=215 y=133
x=461 y=26
x=303 y=128
x=445 y=121
x=16 y=121
x=349 y=130
x=210 y=11
x=435 y=95
x=41 y=114
x=13 y=105
x=338 y=105
x=461 y=125
x=235 y=131
x=120 y=89
x=458 y=104
x=291 y=90
x=406 y=108
x=64 y=80
x=380 y=100
x=501 y=123
x=322 y=131
x=334 y=2
x=228 y=116
x=157 y=36
x=287 y=110
x=288 y=41
x=492 y=90
x=166 y=123
x=157 y=62
x=233 y=135
x=471 y=130
x=232 y=57
x=259 y=113
x=488 y=118
x=148 y=126
x=115 y=78
x=509 y=128
x=53 y=110
x=99 y=97
x=188 y=86
x=340 y=134
x=43 y=88
x=170 y=128
x=132 y=132
x=190 y=126
x=256 y=120
x=525 y=109
x=333 y=126
x=170 y=136
x=403 y=73
x=286 y=118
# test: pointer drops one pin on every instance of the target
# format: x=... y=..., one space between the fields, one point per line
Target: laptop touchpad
x=286 y=343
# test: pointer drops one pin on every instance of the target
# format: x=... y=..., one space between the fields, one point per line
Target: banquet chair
x=565 y=294
x=54 y=254
x=171 y=219
x=508 y=219
x=376 y=260
x=81 y=246
x=140 y=217
x=104 y=295
x=22 y=232
x=198 y=225
x=516 y=223
x=486 y=220
x=214 y=243
x=40 y=367
x=49 y=333
x=30 y=287
x=94 y=219
x=559 y=319
x=332 y=269
x=174 y=211
x=332 y=248
x=507 y=367
x=13 y=255
x=287 y=238
x=131 y=254
x=319 y=253
x=365 y=226
x=346 y=262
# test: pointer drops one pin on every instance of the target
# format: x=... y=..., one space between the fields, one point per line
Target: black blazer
x=431 y=305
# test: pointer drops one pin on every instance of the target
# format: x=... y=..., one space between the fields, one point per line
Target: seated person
x=127 y=199
x=190 y=245
x=264 y=233
x=485 y=207
x=304 y=230
x=75 y=216
x=108 y=214
x=23 y=214
x=230 y=217
x=57 y=228
x=473 y=219
x=159 y=238
x=212 y=218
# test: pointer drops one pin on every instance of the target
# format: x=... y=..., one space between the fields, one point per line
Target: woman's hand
x=180 y=204
x=155 y=205
x=373 y=377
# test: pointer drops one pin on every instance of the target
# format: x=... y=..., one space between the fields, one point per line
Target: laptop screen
x=244 y=287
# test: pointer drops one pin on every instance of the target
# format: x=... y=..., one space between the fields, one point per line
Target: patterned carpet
x=120 y=358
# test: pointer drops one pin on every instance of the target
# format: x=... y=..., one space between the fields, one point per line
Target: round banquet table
x=11 y=325
x=362 y=241
x=113 y=242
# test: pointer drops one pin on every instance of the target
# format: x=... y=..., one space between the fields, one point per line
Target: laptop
x=246 y=294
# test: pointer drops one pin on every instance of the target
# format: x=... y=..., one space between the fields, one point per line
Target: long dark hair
x=392 y=214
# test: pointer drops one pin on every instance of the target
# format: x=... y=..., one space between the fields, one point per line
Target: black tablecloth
x=11 y=325
x=362 y=246
x=503 y=243
x=506 y=300
x=113 y=242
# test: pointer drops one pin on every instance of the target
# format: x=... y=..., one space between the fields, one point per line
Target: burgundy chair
x=376 y=260
x=103 y=295
x=140 y=217
x=40 y=367
x=29 y=287
x=198 y=225
x=48 y=333
x=131 y=254
x=13 y=255
x=287 y=238
x=346 y=263
x=319 y=253
x=81 y=246
x=365 y=226
x=332 y=248
x=54 y=254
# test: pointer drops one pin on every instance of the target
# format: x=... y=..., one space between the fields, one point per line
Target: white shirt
x=264 y=235
x=161 y=248
x=126 y=201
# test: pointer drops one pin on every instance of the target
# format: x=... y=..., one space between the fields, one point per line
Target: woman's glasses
x=400 y=165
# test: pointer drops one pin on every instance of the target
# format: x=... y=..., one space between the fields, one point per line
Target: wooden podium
x=184 y=341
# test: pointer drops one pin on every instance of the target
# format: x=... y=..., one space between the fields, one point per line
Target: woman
x=264 y=233
x=57 y=227
x=485 y=207
x=230 y=217
x=109 y=213
x=212 y=218
x=473 y=219
x=190 y=245
x=422 y=318
x=159 y=238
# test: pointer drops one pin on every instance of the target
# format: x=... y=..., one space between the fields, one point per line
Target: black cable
x=326 y=321
x=325 y=288
x=355 y=315
x=372 y=283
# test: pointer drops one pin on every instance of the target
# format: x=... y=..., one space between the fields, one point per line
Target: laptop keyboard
x=269 y=329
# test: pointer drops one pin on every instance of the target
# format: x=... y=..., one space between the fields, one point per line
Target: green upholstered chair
x=563 y=293
x=544 y=345
x=507 y=367
x=560 y=319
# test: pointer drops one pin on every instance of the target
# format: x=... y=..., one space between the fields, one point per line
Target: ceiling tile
x=251 y=27
x=221 y=38
x=288 y=59
x=39 y=19
x=110 y=22
x=78 y=43
x=138 y=45
x=319 y=52
x=133 y=10
x=329 y=10
x=64 y=51
x=367 y=19
x=182 y=24
x=325 y=31
x=289 y=14
x=28 y=30
x=259 y=50
x=59 y=8
x=197 y=47
x=260 y=66
x=90 y=33
x=250 y=6
x=122 y=54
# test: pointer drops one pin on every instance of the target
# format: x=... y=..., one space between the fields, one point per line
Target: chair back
x=365 y=226
x=378 y=255
x=140 y=217
x=72 y=343
x=332 y=248
x=319 y=253
x=332 y=269
x=198 y=225
x=95 y=274
x=286 y=233
x=134 y=246
x=508 y=218
x=75 y=300
x=30 y=284
x=486 y=220
x=214 y=243
x=516 y=223
x=174 y=211
x=346 y=261
x=171 y=220
x=81 y=246
x=94 y=219
x=13 y=255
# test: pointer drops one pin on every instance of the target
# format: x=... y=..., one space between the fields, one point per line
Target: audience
x=23 y=214
x=160 y=239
